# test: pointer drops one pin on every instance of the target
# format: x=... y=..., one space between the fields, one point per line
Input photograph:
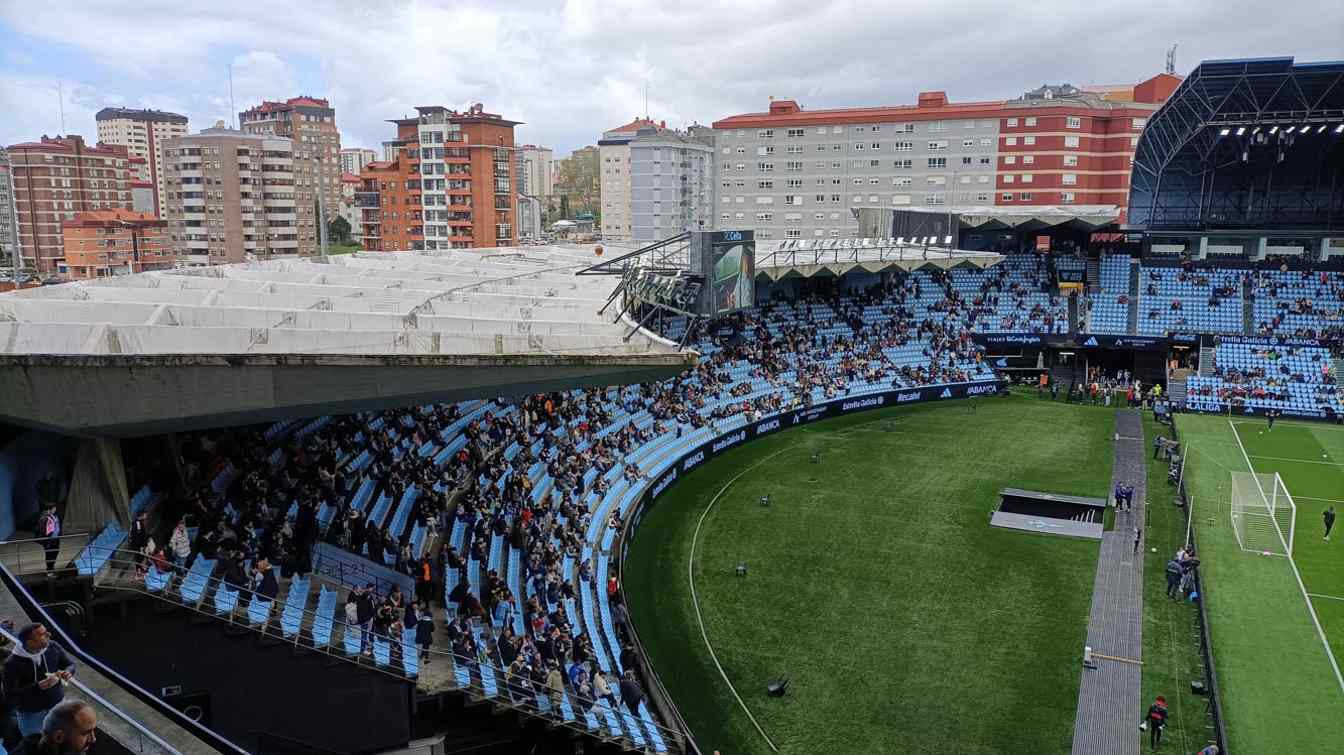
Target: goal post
x=1264 y=516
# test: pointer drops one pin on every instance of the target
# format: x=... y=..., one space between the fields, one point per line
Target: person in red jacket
x=1155 y=720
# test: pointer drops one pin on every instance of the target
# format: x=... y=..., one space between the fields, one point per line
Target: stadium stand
x=1189 y=299
x=1295 y=379
x=1298 y=303
x=1109 y=309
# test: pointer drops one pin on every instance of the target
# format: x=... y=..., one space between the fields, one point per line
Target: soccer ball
x=1154 y=550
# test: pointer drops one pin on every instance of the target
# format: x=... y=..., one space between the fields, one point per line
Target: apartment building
x=795 y=173
x=349 y=208
x=142 y=133
x=538 y=175
x=231 y=194
x=9 y=231
x=450 y=185
x=55 y=178
x=671 y=182
x=114 y=242
x=310 y=122
x=353 y=159
x=614 y=179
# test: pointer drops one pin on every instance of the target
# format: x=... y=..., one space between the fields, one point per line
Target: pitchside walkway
x=1108 y=698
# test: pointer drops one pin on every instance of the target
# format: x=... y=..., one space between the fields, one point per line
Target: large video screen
x=731 y=271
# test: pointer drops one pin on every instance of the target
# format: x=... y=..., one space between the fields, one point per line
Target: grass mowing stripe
x=690 y=575
x=1311 y=609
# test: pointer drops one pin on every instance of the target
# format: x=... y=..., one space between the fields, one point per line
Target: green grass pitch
x=1280 y=693
x=905 y=622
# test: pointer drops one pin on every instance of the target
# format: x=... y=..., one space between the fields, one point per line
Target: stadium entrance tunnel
x=1050 y=513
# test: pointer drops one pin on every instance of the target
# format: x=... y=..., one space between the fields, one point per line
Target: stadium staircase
x=1093 y=275
x=1064 y=376
x=308 y=615
x=1206 y=361
x=1133 y=322
x=1247 y=308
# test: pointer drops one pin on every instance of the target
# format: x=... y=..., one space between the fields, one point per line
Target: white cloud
x=572 y=69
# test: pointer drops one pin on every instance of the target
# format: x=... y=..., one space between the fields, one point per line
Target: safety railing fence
x=126 y=572
x=28 y=555
x=1215 y=709
x=142 y=739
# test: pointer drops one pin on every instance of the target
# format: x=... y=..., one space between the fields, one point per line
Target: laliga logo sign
x=692 y=460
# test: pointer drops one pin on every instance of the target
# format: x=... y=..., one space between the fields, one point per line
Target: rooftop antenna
x=1171 y=60
x=646 y=100
x=60 y=96
x=233 y=111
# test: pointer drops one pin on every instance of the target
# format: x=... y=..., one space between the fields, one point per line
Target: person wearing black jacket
x=365 y=609
x=631 y=693
x=264 y=583
x=35 y=676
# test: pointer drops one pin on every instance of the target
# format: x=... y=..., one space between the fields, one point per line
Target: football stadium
x=1001 y=479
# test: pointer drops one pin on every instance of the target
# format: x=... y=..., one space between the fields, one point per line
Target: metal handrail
x=130 y=560
x=40 y=540
x=88 y=692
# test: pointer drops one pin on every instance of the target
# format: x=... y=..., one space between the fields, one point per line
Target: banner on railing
x=1271 y=341
x=353 y=570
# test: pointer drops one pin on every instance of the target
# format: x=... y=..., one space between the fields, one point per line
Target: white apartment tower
x=142 y=133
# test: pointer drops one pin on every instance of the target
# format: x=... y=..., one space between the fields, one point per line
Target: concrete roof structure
x=807 y=258
x=299 y=337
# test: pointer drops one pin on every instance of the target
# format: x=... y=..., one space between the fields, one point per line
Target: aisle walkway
x=1108 y=698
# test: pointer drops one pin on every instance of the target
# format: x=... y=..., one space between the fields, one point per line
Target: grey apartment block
x=803 y=181
x=671 y=183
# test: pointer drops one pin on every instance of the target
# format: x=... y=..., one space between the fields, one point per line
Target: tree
x=339 y=230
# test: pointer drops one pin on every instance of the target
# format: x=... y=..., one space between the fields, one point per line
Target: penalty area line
x=695 y=601
x=1328 y=597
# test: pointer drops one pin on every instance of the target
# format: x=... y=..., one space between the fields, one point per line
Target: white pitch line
x=690 y=575
x=1299 y=461
x=1318 y=595
x=1312 y=498
x=1311 y=610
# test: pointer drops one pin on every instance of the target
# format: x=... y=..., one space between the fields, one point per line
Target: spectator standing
x=602 y=690
x=180 y=544
x=1138 y=537
x=263 y=580
x=365 y=611
x=424 y=630
x=1173 y=579
x=1328 y=516
x=424 y=580
x=34 y=676
x=1155 y=721
x=49 y=530
x=139 y=538
x=631 y=693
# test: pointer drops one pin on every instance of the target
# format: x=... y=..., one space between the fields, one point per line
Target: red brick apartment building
x=114 y=242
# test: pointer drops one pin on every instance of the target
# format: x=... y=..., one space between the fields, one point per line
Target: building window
x=1066 y=197
x=934 y=199
x=765 y=133
x=1028 y=159
x=1007 y=196
x=1071 y=141
x=1009 y=178
x=794 y=133
x=1026 y=178
x=905 y=164
x=1010 y=159
x=1026 y=197
x=1073 y=121
x=794 y=183
x=794 y=149
x=1070 y=161
x=900 y=199
x=1011 y=141
x=765 y=167
x=1010 y=123
x=968 y=143
x=1138 y=123
x=793 y=233
x=765 y=184
x=1069 y=179
x=985 y=160
x=937 y=162
x=859 y=147
x=936 y=126
x=937 y=146
x=935 y=180
x=901 y=181
x=1031 y=121
x=1028 y=140
x=904 y=146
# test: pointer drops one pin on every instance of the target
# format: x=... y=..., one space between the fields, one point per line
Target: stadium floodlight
x=1339 y=129
x=1322 y=129
x=1241 y=130
x=1264 y=517
x=1225 y=132
x=1289 y=130
x=1273 y=129
x=1255 y=131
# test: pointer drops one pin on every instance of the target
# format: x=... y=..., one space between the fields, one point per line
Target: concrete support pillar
x=1323 y=249
x=98 y=493
x=1203 y=252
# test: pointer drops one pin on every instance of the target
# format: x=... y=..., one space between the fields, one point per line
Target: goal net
x=1263 y=513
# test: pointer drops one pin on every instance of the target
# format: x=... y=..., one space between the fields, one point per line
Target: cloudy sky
x=569 y=70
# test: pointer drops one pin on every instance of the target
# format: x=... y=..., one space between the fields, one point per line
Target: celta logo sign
x=692 y=460
x=766 y=427
x=901 y=398
x=1091 y=341
x=981 y=390
x=729 y=440
x=947 y=393
x=663 y=483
